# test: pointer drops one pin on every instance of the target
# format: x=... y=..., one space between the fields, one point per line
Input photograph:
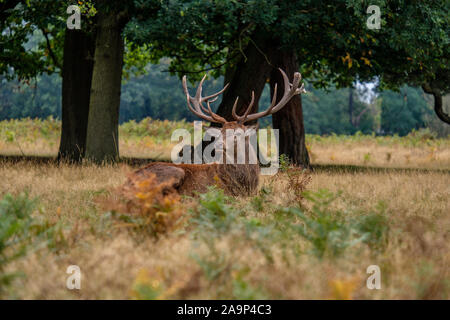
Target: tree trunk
x=102 y=144
x=76 y=87
x=250 y=74
x=438 y=105
x=289 y=120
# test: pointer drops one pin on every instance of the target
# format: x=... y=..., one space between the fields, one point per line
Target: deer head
x=197 y=106
x=235 y=178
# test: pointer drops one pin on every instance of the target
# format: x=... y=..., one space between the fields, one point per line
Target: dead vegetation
x=304 y=235
x=146 y=206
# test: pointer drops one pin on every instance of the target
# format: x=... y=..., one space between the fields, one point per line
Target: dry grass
x=414 y=265
x=393 y=156
x=151 y=139
x=219 y=260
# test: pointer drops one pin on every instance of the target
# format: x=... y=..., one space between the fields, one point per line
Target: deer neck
x=239 y=179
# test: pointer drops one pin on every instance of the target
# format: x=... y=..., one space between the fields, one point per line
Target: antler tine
x=242 y=118
x=290 y=90
x=189 y=99
x=198 y=100
x=216 y=94
x=206 y=110
x=198 y=94
x=250 y=106
x=287 y=84
x=301 y=89
x=185 y=89
x=198 y=114
x=263 y=114
x=233 y=111
x=214 y=115
x=210 y=112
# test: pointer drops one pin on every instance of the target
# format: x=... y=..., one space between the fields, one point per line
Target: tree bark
x=262 y=62
x=250 y=74
x=289 y=120
x=76 y=86
x=102 y=144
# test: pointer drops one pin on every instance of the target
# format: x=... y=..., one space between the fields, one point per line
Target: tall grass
x=150 y=138
x=305 y=235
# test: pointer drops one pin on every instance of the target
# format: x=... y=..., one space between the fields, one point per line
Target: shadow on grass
x=37 y=160
x=349 y=168
x=138 y=162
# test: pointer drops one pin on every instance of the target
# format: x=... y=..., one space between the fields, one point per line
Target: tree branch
x=52 y=54
x=357 y=119
x=429 y=89
x=262 y=52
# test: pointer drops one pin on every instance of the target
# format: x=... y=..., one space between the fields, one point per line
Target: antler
x=290 y=90
x=241 y=119
x=198 y=101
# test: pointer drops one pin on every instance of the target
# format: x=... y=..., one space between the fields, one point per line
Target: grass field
x=370 y=201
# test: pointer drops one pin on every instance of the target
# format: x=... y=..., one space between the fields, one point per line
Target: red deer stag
x=235 y=179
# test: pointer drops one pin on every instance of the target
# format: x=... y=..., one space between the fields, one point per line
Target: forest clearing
x=204 y=153
x=304 y=235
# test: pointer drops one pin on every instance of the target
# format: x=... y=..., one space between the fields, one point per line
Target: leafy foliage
x=145 y=205
x=403 y=112
x=332 y=231
x=335 y=46
x=327 y=112
x=15 y=224
x=159 y=96
x=19 y=230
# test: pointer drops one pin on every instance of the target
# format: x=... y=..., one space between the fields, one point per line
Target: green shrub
x=15 y=224
x=215 y=217
x=19 y=231
x=243 y=290
x=331 y=231
x=214 y=214
x=285 y=162
x=374 y=226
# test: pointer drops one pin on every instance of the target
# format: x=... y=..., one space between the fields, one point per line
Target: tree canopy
x=160 y=96
x=245 y=41
x=331 y=39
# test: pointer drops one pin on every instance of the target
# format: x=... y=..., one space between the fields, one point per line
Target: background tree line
x=245 y=41
x=158 y=95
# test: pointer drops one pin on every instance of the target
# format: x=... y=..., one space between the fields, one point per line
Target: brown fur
x=239 y=179
x=235 y=179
